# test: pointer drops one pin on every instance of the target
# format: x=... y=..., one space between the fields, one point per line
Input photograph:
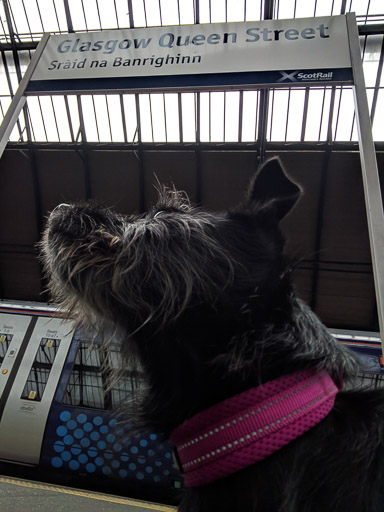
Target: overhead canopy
x=107 y=146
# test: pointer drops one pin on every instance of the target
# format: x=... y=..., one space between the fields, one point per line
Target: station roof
x=107 y=147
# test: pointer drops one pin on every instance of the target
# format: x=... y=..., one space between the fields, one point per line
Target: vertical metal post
x=19 y=99
x=264 y=97
x=371 y=181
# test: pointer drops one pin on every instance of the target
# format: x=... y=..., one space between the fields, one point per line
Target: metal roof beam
x=378 y=81
x=264 y=96
x=68 y=16
x=317 y=147
x=371 y=30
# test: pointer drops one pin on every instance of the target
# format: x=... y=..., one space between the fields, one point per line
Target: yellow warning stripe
x=90 y=495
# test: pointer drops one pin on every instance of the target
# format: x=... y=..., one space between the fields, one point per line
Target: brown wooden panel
x=345 y=295
x=18 y=223
x=346 y=300
x=171 y=168
x=61 y=177
x=20 y=276
x=302 y=280
x=115 y=180
x=225 y=176
x=345 y=230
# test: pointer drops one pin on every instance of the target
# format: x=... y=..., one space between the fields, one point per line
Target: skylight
x=315 y=114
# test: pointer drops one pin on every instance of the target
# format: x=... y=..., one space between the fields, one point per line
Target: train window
x=5 y=341
x=41 y=368
x=371 y=380
x=92 y=383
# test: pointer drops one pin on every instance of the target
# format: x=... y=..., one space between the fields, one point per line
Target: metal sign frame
x=370 y=175
x=208 y=56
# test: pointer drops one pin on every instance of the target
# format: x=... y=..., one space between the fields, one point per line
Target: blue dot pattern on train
x=101 y=445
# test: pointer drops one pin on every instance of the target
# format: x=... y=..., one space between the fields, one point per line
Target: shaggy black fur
x=206 y=304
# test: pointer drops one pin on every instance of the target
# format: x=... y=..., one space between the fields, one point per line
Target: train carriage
x=61 y=414
x=59 y=410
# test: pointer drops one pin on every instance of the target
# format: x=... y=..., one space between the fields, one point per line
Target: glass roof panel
x=49 y=15
x=187 y=13
x=157 y=107
x=36 y=119
x=89 y=116
x=327 y=7
x=172 y=117
x=139 y=13
x=235 y=10
x=216 y=116
x=77 y=15
x=295 y=114
x=19 y=17
x=170 y=14
x=171 y=109
x=231 y=112
x=305 y=8
x=59 y=9
x=217 y=12
x=345 y=115
x=375 y=7
x=5 y=101
x=130 y=120
x=103 y=119
x=253 y=10
x=286 y=9
x=315 y=115
x=91 y=14
x=35 y=20
x=371 y=59
x=3 y=25
x=50 y=119
x=145 y=118
x=378 y=127
x=73 y=109
x=61 y=116
x=18 y=131
x=370 y=96
x=205 y=117
x=250 y=108
x=327 y=101
x=153 y=14
x=11 y=69
x=188 y=116
x=107 y=11
x=122 y=13
x=278 y=109
x=115 y=117
x=4 y=87
x=359 y=6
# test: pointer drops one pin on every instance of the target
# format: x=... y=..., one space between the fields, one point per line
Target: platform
x=18 y=495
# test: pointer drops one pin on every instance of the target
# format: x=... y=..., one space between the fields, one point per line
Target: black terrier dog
x=241 y=375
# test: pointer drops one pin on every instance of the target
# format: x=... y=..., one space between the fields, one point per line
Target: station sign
x=281 y=52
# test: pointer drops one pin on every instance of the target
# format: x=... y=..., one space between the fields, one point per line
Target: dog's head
x=150 y=269
x=205 y=299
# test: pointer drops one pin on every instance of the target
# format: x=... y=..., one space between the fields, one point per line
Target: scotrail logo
x=297 y=76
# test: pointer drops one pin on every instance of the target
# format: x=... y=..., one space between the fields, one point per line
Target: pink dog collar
x=250 y=426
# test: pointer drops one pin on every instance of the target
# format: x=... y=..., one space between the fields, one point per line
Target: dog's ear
x=271 y=188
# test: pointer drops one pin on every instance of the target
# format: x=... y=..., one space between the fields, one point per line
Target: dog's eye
x=158 y=214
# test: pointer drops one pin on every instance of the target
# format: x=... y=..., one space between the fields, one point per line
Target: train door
x=13 y=329
x=40 y=346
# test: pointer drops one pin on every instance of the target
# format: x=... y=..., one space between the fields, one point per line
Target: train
x=60 y=414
